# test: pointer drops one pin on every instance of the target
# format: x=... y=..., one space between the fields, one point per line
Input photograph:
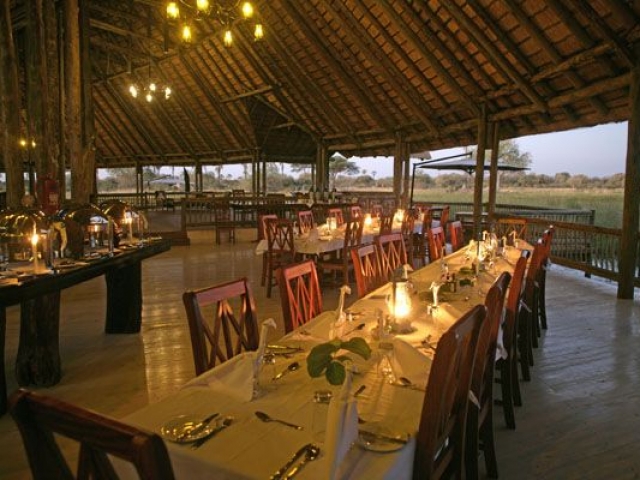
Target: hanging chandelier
x=150 y=90
x=226 y=12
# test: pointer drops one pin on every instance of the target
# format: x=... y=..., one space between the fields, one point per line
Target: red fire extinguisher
x=49 y=193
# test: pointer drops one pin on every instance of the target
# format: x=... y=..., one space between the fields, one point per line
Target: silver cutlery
x=359 y=390
x=266 y=418
x=355 y=329
x=405 y=382
x=291 y=368
x=278 y=475
x=197 y=427
x=312 y=452
x=372 y=436
x=226 y=421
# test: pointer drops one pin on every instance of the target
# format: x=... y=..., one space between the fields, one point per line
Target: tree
x=509 y=154
x=340 y=165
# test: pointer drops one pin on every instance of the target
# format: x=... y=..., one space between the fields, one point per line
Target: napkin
x=408 y=362
x=233 y=377
x=342 y=426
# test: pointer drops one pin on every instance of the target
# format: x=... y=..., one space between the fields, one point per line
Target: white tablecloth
x=251 y=449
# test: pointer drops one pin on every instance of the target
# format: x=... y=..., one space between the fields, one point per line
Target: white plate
x=175 y=428
x=381 y=441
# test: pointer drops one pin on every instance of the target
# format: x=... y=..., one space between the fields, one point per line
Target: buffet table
x=38 y=359
x=389 y=389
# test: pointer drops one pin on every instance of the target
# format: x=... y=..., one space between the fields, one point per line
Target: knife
x=386 y=438
x=197 y=428
x=278 y=475
x=225 y=423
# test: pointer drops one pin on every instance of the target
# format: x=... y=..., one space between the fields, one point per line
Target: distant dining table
x=388 y=388
x=323 y=239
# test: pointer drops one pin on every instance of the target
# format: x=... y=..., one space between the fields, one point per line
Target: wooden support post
x=397 y=169
x=493 y=176
x=628 y=260
x=479 y=177
x=199 y=179
x=407 y=175
x=322 y=169
x=263 y=175
x=10 y=103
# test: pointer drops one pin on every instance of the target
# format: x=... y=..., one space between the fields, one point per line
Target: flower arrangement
x=327 y=358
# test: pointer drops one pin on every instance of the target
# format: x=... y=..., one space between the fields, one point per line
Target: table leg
x=3 y=377
x=38 y=361
x=124 y=299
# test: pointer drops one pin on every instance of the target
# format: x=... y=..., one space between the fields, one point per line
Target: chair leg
x=542 y=301
x=472 y=444
x=524 y=347
x=515 y=385
x=269 y=280
x=506 y=384
x=489 y=446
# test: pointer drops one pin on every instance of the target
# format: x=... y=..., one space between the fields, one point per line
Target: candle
x=34 y=249
x=139 y=227
x=367 y=220
x=129 y=222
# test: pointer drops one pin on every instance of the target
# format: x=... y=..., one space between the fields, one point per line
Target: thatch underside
x=356 y=76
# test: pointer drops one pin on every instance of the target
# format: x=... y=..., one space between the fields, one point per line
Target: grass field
x=606 y=203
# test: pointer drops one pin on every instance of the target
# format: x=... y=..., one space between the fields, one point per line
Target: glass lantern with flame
x=23 y=237
x=129 y=222
x=400 y=300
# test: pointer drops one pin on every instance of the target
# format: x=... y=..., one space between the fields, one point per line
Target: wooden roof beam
x=494 y=54
x=338 y=69
x=419 y=45
x=355 y=31
x=240 y=96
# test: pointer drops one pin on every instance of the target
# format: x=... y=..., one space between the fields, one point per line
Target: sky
x=596 y=152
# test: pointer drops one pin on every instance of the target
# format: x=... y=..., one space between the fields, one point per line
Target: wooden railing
x=593 y=250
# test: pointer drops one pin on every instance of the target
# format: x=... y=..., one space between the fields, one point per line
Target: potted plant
x=329 y=358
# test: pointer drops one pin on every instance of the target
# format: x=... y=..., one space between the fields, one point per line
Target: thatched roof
x=357 y=75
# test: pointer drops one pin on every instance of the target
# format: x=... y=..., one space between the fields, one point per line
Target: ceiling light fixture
x=225 y=12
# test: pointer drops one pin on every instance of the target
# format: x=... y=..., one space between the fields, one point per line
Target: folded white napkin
x=408 y=362
x=342 y=426
x=233 y=377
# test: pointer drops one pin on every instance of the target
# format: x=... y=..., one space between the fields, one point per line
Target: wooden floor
x=581 y=413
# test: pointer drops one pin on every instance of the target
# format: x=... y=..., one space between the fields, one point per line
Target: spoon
x=291 y=368
x=197 y=427
x=311 y=454
x=405 y=382
x=266 y=418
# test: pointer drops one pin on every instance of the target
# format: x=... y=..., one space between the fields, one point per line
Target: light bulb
x=167 y=92
x=258 y=33
x=247 y=10
x=202 y=5
x=149 y=97
x=228 y=38
x=186 y=34
x=173 y=11
x=152 y=87
x=23 y=142
x=133 y=91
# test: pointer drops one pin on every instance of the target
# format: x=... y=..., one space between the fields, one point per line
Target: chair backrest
x=376 y=210
x=456 y=235
x=440 y=442
x=386 y=224
x=39 y=417
x=435 y=237
x=508 y=227
x=356 y=212
x=352 y=237
x=367 y=269
x=217 y=332
x=483 y=369
x=391 y=253
x=299 y=293
x=262 y=224
x=512 y=305
x=444 y=217
x=427 y=219
x=221 y=212
x=337 y=214
x=280 y=235
x=305 y=221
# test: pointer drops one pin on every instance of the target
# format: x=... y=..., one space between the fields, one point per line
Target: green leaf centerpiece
x=326 y=358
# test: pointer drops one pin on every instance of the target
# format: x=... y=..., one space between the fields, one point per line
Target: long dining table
x=389 y=399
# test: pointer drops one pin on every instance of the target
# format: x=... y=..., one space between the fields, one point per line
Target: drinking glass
x=385 y=359
x=321 y=399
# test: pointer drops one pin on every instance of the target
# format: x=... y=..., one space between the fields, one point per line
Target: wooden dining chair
x=218 y=332
x=547 y=240
x=437 y=243
x=480 y=434
x=407 y=230
x=420 y=239
x=305 y=221
x=223 y=222
x=280 y=248
x=440 y=441
x=391 y=253
x=43 y=421
x=262 y=235
x=337 y=214
x=376 y=210
x=444 y=217
x=532 y=294
x=340 y=260
x=507 y=368
x=508 y=227
x=299 y=293
x=355 y=212
x=456 y=235
x=367 y=270
x=386 y=224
